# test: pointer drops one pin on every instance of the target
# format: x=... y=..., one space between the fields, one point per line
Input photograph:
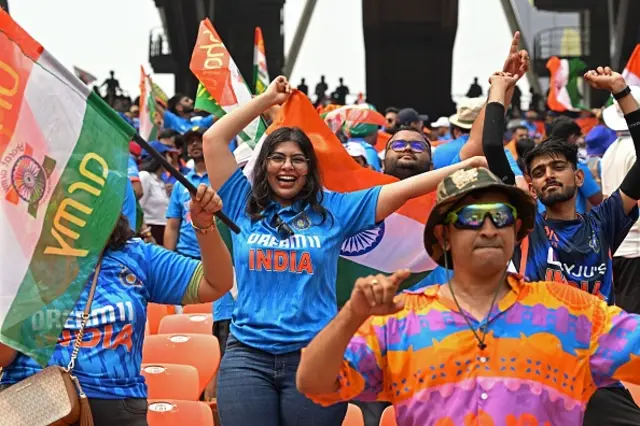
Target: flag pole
x=180 y=177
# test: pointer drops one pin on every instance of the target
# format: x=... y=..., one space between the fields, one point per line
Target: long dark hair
x=311 y=193
x=121 y=234
x=150 y=164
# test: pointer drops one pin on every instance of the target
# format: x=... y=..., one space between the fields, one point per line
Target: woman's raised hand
x=279 y=90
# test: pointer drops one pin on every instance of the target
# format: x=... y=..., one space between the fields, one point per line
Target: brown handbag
x=52 y=396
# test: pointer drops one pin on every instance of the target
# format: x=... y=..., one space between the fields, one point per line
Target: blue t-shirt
x=286 y=287
x=578 y=252
x=129 y=205
x=183 y=125
x=371 y=154
x=589 y=188
x=179 y=209
x=132 y=169
x=223 y=307
x=444 y=154
x=108 y=364
x=512 y=162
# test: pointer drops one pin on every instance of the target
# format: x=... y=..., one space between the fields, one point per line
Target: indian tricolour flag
x=63 y=160
x=397 y=243
x=631 y=72
x=222 y=88
x=563 y=84
x=148 y=128
x=260 y=72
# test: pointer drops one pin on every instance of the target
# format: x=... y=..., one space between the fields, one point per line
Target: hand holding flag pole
x=180 y=177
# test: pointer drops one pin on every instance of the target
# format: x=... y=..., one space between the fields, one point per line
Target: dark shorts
x=626 y=273
x=221 y=331
x=612 y=407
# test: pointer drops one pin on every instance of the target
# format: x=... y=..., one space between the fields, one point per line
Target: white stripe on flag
x=59 y=112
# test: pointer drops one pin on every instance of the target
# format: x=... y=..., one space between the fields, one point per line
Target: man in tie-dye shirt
x=484 y=349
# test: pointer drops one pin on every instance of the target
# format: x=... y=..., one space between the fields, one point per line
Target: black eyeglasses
x=415 y=146
x=282 y=228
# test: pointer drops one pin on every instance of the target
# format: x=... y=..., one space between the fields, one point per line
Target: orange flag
x=396 y=243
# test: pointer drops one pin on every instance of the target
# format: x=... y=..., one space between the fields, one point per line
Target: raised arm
x=517 y=64
x=606 y=79
x=394 y=195
x=492 y=144
x=219 y=159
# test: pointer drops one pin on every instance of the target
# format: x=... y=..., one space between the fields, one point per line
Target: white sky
x=99 y=36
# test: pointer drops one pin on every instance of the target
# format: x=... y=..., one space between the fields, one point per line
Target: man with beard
x=180 y=115
x=564 y=246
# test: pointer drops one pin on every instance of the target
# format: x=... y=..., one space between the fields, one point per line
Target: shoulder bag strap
x=85 y=318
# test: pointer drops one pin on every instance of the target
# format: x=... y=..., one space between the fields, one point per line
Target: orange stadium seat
x=172 y=381
x=198 y=308
x=186 y=323
x=388 y=417
x=197 y=350
x=354 y=416
x=168 y=412
x=155 y=313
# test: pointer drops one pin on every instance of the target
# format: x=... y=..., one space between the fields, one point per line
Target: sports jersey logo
x=594 y=242
x=302 y=222
x=363 y=243
x=128 y=278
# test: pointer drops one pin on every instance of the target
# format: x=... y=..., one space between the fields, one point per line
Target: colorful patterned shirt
x=549 y=346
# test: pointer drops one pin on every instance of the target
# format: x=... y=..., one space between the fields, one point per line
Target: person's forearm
x=170 y=239
x=492 y=144
x=230 y=125
x=394 y=195
x=322 y=359
x=216 y=264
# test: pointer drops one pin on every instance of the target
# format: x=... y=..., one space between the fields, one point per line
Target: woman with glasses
x=286 y=259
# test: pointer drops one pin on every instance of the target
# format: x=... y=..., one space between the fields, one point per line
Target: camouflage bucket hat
x=457 y=186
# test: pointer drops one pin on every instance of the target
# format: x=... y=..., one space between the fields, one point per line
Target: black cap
x=409 y=115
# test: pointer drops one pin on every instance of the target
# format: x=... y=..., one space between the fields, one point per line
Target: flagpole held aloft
x=180 y=177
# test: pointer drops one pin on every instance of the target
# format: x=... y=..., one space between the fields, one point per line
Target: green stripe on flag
x=59 y=269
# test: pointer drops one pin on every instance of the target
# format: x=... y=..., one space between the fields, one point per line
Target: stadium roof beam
x=514 y=25
x=298 y=38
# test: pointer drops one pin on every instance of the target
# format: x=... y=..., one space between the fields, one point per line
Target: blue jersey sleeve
x=169 y=275
x=513 y=163
x=613 y=220
x=234 y=193
x=132 y=169
x=129 y=206
x=175 y=208
x=590 y=187
x=203 y=121
x=356 y=211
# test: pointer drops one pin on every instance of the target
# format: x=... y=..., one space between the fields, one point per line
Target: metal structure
x=607 y=32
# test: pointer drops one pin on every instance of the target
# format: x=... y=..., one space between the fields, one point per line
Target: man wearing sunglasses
x=484 y=348
x=566 y=247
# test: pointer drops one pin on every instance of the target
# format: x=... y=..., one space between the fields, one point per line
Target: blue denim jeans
x=256 y=387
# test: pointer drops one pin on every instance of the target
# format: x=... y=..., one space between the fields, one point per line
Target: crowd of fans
x=562 y=190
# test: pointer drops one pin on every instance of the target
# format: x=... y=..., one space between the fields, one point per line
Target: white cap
x=355 y=149
x=441 y=122
x=613 y=116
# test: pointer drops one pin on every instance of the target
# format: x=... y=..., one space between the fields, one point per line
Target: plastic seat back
x=197 y=350
x=186 y=323
x=155 y=313
x=168 y=412
x=172 y=381
x=198 y=308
